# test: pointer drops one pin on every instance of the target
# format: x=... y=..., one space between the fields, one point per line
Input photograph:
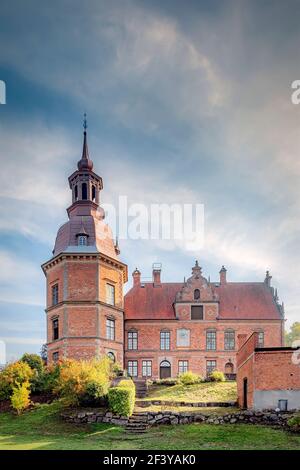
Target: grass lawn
x=41 y=428
x=206 y=391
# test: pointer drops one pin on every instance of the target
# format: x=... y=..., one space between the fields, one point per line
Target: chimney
x=268 y=279
x=223 y=279
x=156 y=271
x=136 y=277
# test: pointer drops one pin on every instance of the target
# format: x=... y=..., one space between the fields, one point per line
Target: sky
x=187 y=102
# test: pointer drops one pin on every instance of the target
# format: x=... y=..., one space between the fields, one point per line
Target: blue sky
x=186 y=102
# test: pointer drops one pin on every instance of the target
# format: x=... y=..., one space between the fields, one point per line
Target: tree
x=293 y=334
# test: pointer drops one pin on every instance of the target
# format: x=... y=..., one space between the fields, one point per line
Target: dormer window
x=196 y=294
x=82 y=240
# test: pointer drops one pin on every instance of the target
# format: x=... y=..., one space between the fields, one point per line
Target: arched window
x=84 y=191
x=228 y=368
x=196 y=294
x=111 y=356
x=82 y=240
x=93 y=193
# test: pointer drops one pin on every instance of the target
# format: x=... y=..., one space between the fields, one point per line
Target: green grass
x=205 y=392
x=42 y=428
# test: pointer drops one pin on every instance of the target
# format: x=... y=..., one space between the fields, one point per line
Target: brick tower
x=85 y=277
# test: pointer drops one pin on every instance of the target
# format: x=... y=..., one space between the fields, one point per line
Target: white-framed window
x=132 y=368
x=183 y=366
x=82 y=240
x=110 y=329
x=211 y=340
x=132 y=338
x=210 y=366
x=147 y=368
x=165 y=340
x=261 y=339
x=229 y=340
x=110 y=294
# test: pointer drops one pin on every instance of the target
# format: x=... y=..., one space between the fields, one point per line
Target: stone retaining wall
x=211 y=404
x=173 y=417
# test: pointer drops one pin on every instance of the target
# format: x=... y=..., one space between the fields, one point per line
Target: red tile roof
x=237 y=301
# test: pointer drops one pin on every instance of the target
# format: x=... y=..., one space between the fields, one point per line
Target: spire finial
x=84 y=122
x=85 y=163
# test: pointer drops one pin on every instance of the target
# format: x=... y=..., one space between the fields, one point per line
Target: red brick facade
x=267 y=375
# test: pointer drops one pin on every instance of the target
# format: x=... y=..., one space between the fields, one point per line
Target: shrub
x=189 y=378
x=294 y=423
x=170 y=381
x=79 y=379
x=121 y=399
x=216 y=376
x=37 y=382
x=20 y=397
x=15 y=373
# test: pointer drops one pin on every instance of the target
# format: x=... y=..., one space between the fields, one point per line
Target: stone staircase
x=137 y=424
x=140 y=388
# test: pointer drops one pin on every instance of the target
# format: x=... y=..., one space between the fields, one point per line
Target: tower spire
x=85 y=163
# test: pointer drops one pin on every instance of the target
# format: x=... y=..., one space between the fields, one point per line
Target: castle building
x=157 y=330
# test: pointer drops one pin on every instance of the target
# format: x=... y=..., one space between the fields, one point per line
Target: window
x=111 y=356
x=110 y=294
x=165 y=340
x=93 y=193
x=110 y=328
x=196 y=294
x=55 y=294
x=132 y=368
x=76 y=192
x=211 y=340
x=183 y=366
x=261 y=339
x=55 y=330
x=82 y=240
x=229 y=340
x=197 y=312
x=84 y=191
x=132 y=339
x=55 y=356
x=229 y=368
x=210 y=367
x=183 y=337
x=146 y=368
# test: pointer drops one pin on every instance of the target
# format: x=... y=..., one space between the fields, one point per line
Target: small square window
x=197 y=312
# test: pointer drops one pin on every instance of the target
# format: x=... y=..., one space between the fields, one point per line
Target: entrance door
x=245 y=393
x=165 y=370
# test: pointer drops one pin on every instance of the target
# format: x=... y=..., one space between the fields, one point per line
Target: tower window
x=54 y=294
x=55 y=356
x=261 y=339
x=82 y=240
x=93 y=193
x=110 y=329
x=84 y=191
x=55 y=330
x=197 y=312
x=110 y=294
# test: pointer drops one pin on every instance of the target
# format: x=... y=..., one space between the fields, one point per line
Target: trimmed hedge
x=121 y=399
x=217 y=376
x=189 y=378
